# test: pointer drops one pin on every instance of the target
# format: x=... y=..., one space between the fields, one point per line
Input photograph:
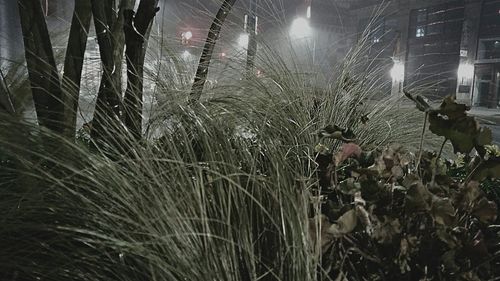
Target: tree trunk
x=252 y=38
x=73 y=63
x=42 y=70
x=137 y=29
x=6 y=103
x=107 y=109
x=206 y=56
x=118 y=36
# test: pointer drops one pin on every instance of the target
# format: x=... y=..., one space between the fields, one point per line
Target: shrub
x=400 y=217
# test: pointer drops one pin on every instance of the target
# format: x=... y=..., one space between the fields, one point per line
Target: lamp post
x=251 y=31
x=301 y=28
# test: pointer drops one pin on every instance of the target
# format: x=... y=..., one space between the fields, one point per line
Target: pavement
x=486 y=115
x=489 y=117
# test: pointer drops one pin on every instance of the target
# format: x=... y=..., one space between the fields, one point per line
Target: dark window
x=489 y=49
x=434 y=29
x=421 y=15
x=490 y=19
x=434 y=47
x=380 y=31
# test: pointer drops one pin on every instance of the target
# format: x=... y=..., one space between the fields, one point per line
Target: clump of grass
x=218 y=190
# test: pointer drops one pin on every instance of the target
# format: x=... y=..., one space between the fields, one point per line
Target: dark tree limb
x=6 y=103
x=118 y=36
x=137 y=27
x=73 y=64
x=206 y=56
x=252 y=38
x=42 y=70
x=107 y=111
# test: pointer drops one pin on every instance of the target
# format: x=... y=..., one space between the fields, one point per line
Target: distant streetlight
x=300 y=28
x=186 y=55
x=244 y=40
x=398 y=71
x=465 y=72
x=186 y=37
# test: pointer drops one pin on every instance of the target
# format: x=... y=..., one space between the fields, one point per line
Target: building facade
x=439 y=47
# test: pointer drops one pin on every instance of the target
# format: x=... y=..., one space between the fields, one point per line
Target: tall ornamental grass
x=218 y=190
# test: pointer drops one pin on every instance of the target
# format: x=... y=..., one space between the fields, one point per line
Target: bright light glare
x=186 y=55
x=309 y=12
x=187 y=35
x=398 y=71
x=243 y=40
x=465 y=71
x=300 y=28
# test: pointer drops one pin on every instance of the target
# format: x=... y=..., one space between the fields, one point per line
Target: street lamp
x=300 y=28
x=398 y=71
x=186 y=37
x=465 y=72
x=186 y=55
x=244 y=40
x=398 y=76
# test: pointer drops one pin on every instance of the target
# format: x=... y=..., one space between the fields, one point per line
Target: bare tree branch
x=5 y=96
x=107 y=111
x=136 y=34
x=42 y=70
x=206 y=56
x=73 y=64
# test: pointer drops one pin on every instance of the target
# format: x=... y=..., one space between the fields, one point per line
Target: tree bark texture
x=252 y=43
x=42 y=70
x=107 y=110
x=73 y=64
x=137 y=27
x=6 y=103
x=208 y=50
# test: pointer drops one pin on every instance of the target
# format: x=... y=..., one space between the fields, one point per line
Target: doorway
x=487 y=85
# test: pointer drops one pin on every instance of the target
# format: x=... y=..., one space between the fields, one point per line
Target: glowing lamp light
x=309 y=12
x=398 y=71
x=186 y=55
x=465 y=71
x=187 y=35
x=300 y=28
x=243 y=40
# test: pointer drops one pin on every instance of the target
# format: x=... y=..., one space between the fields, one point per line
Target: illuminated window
x=420 y=32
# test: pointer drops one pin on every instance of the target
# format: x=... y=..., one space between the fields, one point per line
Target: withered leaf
x=349 y=150
x=418 y=198
x=322 y=234
x=486 y=211
x=385 y=229
x=451 y=109
x=487 y=169
x=461 y=132
x=345 y=224
x=442 y=211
